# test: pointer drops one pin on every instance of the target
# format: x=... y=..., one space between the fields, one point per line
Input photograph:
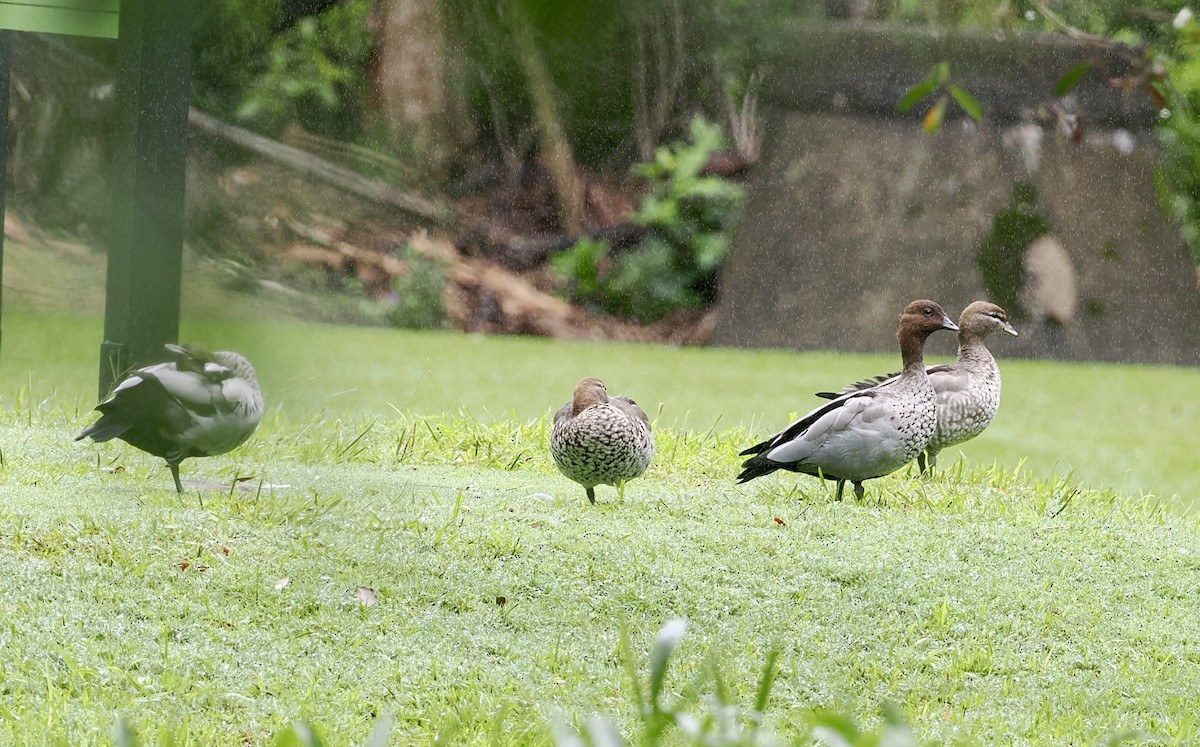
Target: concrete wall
x=853 y=214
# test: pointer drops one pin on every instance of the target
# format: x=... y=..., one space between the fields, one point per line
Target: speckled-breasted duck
x=199 y=404
x=968 y=391
x=600 y=440
x=863 y=434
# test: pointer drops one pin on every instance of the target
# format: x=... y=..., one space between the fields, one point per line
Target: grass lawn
x=994 y=604
x=989 y=607
x=1132 y=428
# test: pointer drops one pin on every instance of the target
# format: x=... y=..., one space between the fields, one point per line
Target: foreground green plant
x=663 y=719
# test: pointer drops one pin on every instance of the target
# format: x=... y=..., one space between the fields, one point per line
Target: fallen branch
x=339 y=176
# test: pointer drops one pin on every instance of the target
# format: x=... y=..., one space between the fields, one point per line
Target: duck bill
x=949 y=324
x=1010 y=329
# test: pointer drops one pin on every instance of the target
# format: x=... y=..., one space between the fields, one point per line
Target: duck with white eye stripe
x=865 y=434
x=968 y=391
x=200 y=404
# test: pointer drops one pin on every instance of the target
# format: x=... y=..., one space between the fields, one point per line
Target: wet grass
x=1131 y=428
x=988 y=605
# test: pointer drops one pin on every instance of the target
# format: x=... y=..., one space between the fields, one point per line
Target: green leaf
x=669 y=637
x=1071 y=79
x=380 y=735
x=941 y=73
x=579 y=266
x=125 y=737
x=625 y=651
x=298 y=735
x=767 y=680
x=654 y=212
x=709 y=250
x=933 y=120
x=915 y=94
x=967 y=102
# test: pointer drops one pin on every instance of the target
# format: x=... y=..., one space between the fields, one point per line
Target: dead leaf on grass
x=282 y=583
x=365 y=596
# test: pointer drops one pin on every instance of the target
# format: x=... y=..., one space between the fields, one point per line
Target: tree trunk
x=556 y=149
x=411 y=81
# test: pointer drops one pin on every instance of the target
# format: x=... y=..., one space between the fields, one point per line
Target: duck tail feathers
x=757 y=448
x=104 y=429
x=756 y=467
x=857 y=386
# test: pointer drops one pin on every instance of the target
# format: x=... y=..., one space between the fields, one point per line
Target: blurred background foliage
x=625 y=76
x=625 y=73
x=267 y=64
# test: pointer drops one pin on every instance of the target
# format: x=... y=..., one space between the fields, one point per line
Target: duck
x=601 y=440
x=862 y=434
x=199 y=404
x=968 y=391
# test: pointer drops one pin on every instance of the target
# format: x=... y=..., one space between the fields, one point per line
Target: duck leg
x=175 y=474
x=841 y=484
x=591 y=494
x=858 y=490
x=921 y=462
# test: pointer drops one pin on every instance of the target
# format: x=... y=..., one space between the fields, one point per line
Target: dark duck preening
x=863 y=434
x=967 y=391
x=600 y=440
x=199 y=404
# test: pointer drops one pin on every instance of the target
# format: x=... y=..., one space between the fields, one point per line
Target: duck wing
x=198 y=392
x=563 y=415
x=860 y=386
x=796 y=428
x=855 y=437
x=949 y=380
x=144 y=412
x=159 y=409
x=881 y=380
x=795 y=444
x=631 y=409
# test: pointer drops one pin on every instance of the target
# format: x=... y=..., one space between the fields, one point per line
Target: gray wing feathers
x=813 y=438
x=949 y=380
x=630 y=408
x=193 y=391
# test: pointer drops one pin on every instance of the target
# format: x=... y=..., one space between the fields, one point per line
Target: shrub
x=1179 y=136
x=418 y=295
x=689 y=216
x=250 y=65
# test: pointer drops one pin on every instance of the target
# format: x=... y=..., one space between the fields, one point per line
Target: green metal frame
x=5 y=66
x=145 y=245
x=145 y=249
x=72 y=17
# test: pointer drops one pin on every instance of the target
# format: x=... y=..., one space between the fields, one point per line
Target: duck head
x=588 y=392
x=982 y=318
x=919 y=320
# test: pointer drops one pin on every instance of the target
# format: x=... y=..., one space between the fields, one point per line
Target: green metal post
x=145 y=251
x=5 y=66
